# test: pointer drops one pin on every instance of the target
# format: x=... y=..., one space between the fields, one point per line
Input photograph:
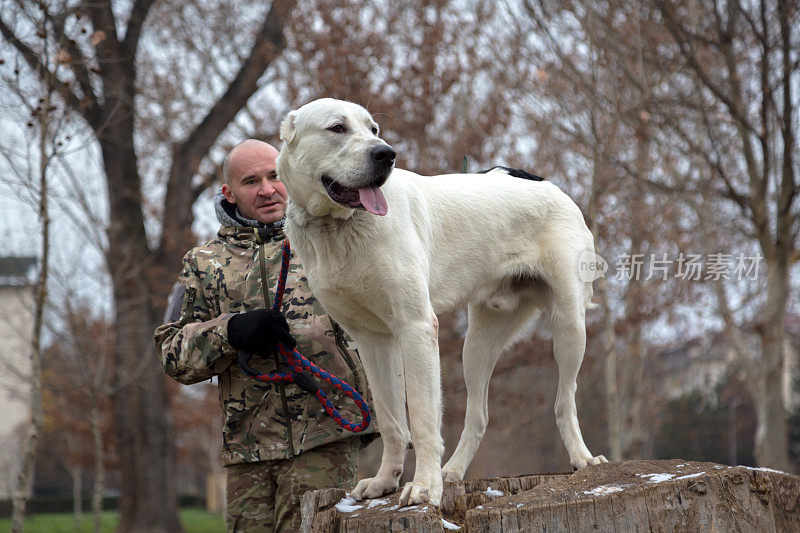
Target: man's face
x=254 y=186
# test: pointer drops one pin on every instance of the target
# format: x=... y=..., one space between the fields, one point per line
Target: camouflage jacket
x=223 y=277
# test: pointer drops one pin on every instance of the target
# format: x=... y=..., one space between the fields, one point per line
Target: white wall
x=16 y=328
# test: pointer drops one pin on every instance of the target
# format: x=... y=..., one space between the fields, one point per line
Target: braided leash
x=298 y=363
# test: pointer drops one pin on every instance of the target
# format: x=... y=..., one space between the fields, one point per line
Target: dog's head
x=332 y=160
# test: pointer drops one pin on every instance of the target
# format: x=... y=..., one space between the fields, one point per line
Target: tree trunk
x=772 y=444
x=633 y=372
x=611 y=387
x=99 y=466
x=141 y=277
x=664 y=496
x=77 y=495
x=144 y=430
x=733 y=444
x=25 y=478
x=148 y=502
x=609 y=337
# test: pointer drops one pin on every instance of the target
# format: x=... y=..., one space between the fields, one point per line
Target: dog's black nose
x=383 y=155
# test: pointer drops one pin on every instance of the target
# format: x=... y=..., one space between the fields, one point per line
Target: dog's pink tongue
x=373 y=201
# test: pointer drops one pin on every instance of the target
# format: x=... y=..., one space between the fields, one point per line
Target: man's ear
x=226 y=191
x=288 y=128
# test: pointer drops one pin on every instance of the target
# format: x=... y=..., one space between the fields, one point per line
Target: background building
x=17 y=278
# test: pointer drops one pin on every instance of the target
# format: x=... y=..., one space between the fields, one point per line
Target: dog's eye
x=374 y=130
x=337 y=128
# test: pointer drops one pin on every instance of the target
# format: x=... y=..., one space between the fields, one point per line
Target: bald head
x=251 y=181
x=245 y=151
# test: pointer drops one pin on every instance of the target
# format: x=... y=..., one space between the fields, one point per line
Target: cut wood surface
x=671 y=495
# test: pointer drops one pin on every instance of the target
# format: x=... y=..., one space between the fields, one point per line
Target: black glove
x=259 y=331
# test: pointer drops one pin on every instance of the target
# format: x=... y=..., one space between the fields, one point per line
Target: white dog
x=385 y=249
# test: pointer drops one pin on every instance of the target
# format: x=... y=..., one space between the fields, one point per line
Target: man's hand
x=259 y=331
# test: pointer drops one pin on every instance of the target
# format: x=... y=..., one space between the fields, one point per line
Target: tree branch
x=78 y=65
x=269 y=43
x=687 y=52
x=115 y=67
x=766 y=95
x=761 y=35
x=135 y=25
x=787 y=185
x=102 y=17
x=715 y=164
x=33 y=61
x=188 y=155
x=723 y=307
x=758 y=182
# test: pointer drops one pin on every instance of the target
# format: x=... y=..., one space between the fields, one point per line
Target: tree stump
x=672 y=495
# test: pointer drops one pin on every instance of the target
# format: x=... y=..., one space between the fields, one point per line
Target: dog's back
x=480 y=230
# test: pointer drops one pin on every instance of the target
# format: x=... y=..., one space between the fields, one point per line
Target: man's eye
x=337 y=128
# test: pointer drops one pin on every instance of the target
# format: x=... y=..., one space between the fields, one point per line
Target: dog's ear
x=288 y=128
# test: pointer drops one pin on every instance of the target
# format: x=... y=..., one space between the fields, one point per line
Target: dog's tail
x=516 y=172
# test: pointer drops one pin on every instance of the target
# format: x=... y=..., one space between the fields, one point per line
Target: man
x=277 y=440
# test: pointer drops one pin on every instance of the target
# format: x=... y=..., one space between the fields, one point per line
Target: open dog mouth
x=341 y=194
x=369 y=198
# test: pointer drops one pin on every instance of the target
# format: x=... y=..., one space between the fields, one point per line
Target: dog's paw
x=416 y=492
x=580 y=464
x=374 y=487
x=453 y=470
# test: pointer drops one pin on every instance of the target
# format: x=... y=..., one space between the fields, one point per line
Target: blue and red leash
x=299 y=364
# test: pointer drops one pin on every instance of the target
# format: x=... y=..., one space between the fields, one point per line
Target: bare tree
x=101 y=51
x=34 y=429
x=81 y=381
x=593 y=134
x=709 y=91
x=741 y=63
x=39 y=99
x=29 y=449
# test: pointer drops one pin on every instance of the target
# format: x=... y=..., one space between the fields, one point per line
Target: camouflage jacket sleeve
x=193 y=343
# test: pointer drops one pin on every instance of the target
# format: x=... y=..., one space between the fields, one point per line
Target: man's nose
x=267 y=188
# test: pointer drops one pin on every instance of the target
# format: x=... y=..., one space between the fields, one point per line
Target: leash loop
x=302 y=367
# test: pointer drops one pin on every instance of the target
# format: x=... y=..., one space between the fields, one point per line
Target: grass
x=193 y=520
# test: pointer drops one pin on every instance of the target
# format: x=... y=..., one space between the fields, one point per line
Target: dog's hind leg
x=489 y=333
x=567 y=316
x=382 y=362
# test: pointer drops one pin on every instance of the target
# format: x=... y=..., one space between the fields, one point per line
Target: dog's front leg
x=420 y=348
x=380 y=355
